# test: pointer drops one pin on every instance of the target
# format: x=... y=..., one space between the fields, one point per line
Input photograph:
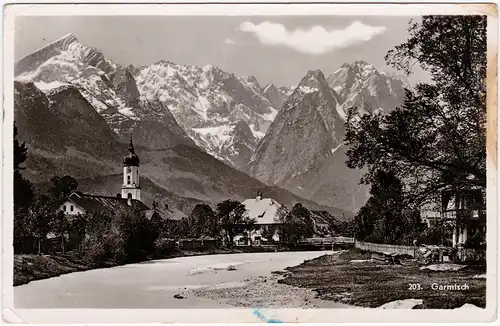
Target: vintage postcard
x=257 y=163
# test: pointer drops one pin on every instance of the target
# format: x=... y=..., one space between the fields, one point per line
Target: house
x=267 y=213
x=80 y=204
x=464 y=211
x=431 y=217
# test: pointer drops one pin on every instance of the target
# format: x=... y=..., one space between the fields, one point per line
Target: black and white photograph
x=253 y=161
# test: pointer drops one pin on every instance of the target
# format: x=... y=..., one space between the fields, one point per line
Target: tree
x=97 y=224
x=77 y=227
x=138 y=236
x=203 y=222
x=297 y=224
x=63 y=187
x=60 y=224
x=436 y=139
x=23 y=195
x=233 y=219
x=41 y=218
x=382 y=219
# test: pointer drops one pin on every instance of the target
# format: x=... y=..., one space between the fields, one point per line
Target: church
x=129 y=200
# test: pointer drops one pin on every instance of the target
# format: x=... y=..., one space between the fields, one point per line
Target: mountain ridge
x=64 y=85
x=165 y=105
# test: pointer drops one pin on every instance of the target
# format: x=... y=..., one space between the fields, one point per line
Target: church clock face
x=129 y=169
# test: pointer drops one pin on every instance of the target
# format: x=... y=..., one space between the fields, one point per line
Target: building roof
x=131 y=159
x=263 y=210
x=112 y=205
x=166 y=214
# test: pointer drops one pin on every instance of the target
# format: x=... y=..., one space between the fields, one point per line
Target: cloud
x=229 y=41
x=316 y=40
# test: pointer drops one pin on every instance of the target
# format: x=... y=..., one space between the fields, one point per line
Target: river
x=153 y=284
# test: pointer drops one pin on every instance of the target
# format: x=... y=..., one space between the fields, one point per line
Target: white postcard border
x=11 y=314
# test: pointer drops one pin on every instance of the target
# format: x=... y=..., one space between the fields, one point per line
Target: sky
x=274 y=49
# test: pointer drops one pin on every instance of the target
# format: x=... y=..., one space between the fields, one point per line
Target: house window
x=64 y=208
x=128 y=179
x=71 y=208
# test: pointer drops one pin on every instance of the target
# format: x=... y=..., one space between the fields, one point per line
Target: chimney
x=259 y=195
x=129 y=199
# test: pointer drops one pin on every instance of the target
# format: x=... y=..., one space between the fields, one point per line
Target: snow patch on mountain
x=220 y=134
x=257 y=134
x=307 y=89
x=207 y=97
x=49 y=86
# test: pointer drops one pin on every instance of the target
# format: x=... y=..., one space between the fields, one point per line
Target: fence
x=468 y=254
x=385 y=248
x=198 y=244
x=328 y=241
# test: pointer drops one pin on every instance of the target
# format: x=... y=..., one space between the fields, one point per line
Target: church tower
x=131 y=186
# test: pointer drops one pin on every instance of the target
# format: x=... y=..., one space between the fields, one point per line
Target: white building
x=266 y=212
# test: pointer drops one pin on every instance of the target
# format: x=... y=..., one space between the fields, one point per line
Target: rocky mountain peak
x=33 y=59
x=124 y=84
x=251 y=80
x=275 y=96
x=306 y=131
x=314 y=80
x=313 y=84
x=360 y=84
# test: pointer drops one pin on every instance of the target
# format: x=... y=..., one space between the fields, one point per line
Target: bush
x=165 y=247
x=139 y=237
x=109 y=248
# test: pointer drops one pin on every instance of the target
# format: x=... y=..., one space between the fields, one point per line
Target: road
x=153 y=284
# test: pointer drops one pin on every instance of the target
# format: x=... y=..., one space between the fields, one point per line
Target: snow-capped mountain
x=108 y=87
x=361 y=85
x=76 y=108
x=209 y=103
x=73 y=108
x=66 y=136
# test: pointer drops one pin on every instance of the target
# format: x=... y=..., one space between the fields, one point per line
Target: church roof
x=106 y=204
x=131 y=159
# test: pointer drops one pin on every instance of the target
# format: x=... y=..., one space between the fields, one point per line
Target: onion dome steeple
x=131 y=159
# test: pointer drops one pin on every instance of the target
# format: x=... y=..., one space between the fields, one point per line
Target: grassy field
x=371 y=284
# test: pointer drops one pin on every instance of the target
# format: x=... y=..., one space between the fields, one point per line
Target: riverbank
x=353 y=278
x=163 y=283
x=32 y=267
x=264 y=292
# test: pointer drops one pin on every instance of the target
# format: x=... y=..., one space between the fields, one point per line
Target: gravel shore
x=264 y=292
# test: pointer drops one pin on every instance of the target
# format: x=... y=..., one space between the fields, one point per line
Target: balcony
x=465 y=214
